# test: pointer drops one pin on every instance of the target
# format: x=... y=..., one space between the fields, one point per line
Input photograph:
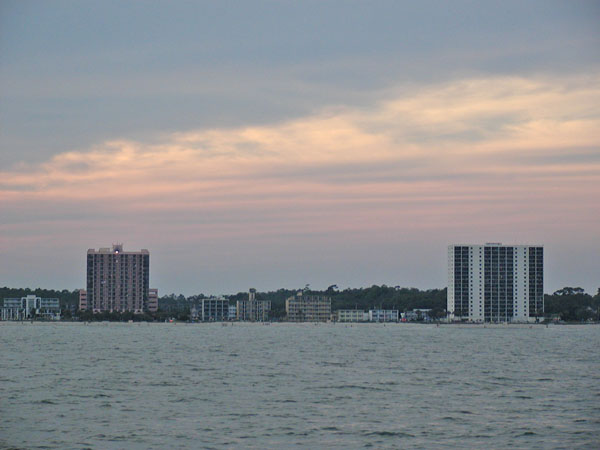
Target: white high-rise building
x=495 y=282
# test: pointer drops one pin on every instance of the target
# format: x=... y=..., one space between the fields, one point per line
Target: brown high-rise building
x=117 y=280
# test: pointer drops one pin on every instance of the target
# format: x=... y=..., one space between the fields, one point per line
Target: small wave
x=528 y=433
x=242 y=415
x=332 y=364
x=354 y=386
x=389 y=433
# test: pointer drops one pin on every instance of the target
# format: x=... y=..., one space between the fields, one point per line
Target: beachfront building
x=232 y=312
x=82 y=299
x=417 y=315
x=352 y=315
x=383 y=315
x=30 y=306
x=118 y=280
x=253 y=310
x=495 y=283
x=308 y=308
x=214 y=309
x=152 y=305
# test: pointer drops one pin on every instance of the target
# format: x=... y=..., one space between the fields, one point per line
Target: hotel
x=495 y=283
x=117 y=280
x=308 y=308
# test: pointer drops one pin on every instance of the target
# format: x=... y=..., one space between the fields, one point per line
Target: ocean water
x=141 y=386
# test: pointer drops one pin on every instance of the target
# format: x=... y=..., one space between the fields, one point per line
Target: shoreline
x=344 y=324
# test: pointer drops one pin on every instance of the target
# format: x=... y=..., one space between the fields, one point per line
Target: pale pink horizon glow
x=507 y=158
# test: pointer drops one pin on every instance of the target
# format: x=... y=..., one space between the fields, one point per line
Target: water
x=112 y=386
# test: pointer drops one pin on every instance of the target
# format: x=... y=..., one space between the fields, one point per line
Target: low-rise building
x=253 y=310
x=232 y=312
x=214 y=309
x=383 y=315
x=152 y=300
x=25 y=308
x=352 y=315
x=308 y=308
x=417 y=315
x=83 y=299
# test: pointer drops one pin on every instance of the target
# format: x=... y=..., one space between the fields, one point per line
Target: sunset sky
x=274 y=144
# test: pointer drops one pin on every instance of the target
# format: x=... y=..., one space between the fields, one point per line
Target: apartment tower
x=117 y=280
x=495 y=283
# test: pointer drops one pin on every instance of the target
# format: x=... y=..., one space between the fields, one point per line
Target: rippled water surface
x=298 y=385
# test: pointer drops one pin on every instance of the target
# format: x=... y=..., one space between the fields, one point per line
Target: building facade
x=152 y=300
x=383 y=315
x=82 y=299
x=25 y=308
x=214 y=309
x=352 y=315
x=253 y=310
x=232 y=312
x=415 y=315
x=495 y=283
x=118 y=280
x=308 y=308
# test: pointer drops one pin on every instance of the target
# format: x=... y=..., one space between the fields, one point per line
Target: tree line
x=570 y=304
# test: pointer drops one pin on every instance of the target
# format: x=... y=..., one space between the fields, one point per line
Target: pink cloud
x=484 y=154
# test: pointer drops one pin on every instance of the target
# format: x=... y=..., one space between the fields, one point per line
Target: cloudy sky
x=281 y=143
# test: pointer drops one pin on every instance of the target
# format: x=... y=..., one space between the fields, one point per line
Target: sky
x=274 y=144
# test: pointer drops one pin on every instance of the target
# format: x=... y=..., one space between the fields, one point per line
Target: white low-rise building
x=383 y=315
x=352 y=315
x=31 y=306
